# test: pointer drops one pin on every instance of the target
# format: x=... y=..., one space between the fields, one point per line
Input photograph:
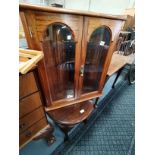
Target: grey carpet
x=113 y=132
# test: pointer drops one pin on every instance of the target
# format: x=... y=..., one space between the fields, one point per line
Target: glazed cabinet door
x=59 y=36
x=61 y=44
x=59 y=49
x=98 y=39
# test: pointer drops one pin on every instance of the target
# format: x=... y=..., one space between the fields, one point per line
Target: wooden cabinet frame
x=35 y=20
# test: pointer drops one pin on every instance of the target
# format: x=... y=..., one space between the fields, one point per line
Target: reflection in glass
x=97 y=48
x=59 y=51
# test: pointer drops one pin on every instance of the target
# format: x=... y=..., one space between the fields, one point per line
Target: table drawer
x=27 y=84
x=30 y=119
x=30 y=132
x=29 y=103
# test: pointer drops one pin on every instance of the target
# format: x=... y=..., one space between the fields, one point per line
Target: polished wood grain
x=44 y=19
x=24 y=6
x=29 y=104
x=28 y=120
x=32 y=120
x=83 y=52
x=94 y=23
x=27 y=85
x=31 y=132
x=31 y=24
x=73 y=114
x=44 y=82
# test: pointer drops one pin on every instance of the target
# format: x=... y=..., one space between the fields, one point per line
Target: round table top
x=71 y=115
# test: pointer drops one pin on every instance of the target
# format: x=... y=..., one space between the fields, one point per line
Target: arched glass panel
x=59 y=54
x=97 y=48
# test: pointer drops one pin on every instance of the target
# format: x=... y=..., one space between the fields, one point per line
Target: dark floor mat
x=113 y=132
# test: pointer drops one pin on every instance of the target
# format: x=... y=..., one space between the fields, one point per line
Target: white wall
x=77 y=4
x=103 y=6
x=131 y=4
x=109 y=6
x=37 y=2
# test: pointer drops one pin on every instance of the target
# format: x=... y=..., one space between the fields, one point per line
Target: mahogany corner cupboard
x=77 y=48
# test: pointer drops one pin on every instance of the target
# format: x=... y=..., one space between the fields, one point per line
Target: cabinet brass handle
x=82 y=70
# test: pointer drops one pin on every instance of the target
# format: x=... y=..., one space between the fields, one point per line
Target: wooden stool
x=69 y=116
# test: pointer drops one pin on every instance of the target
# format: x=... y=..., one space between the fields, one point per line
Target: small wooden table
x=69 y=116
x=117 y=64
x=118 y=61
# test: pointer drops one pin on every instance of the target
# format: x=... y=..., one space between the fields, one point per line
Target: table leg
x=118 y=74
